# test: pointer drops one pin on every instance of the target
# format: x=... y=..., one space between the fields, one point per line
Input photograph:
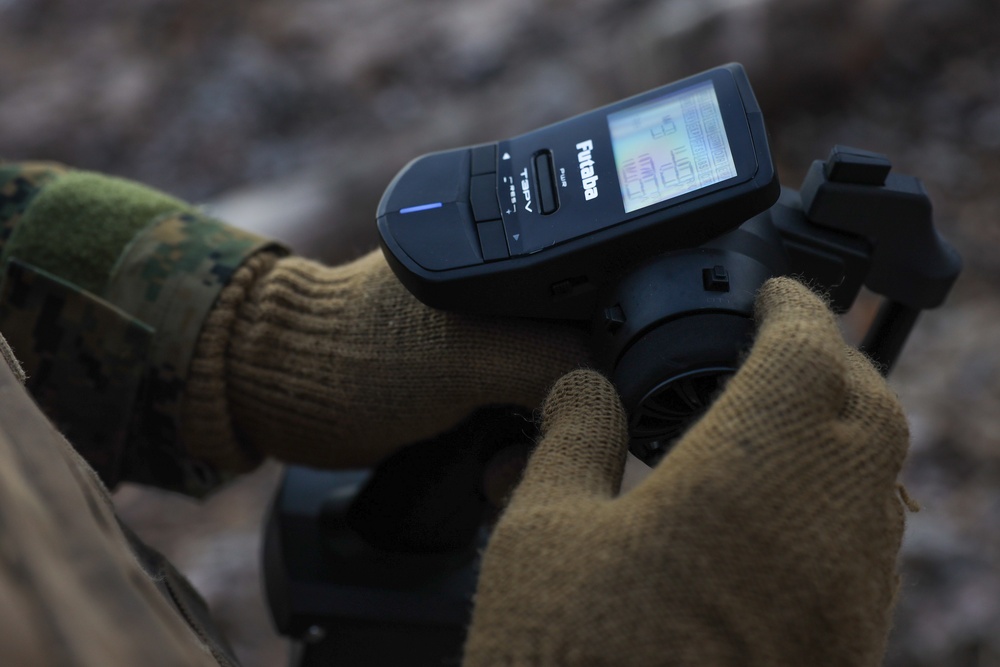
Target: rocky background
x=291 y=118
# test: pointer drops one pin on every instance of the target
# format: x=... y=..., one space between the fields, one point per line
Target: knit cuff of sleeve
x=207 y=425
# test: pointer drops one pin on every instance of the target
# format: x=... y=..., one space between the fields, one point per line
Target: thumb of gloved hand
x=545 y=572
x=767 y=536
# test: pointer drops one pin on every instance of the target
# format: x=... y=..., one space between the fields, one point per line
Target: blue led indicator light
x=422 y=207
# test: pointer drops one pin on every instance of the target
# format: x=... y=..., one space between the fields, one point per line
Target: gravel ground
x=291 y=118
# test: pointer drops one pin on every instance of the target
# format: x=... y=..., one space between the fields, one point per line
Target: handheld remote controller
x=531 y=226
x=658 y=218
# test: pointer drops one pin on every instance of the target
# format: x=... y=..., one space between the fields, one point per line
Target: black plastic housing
x=435 y=227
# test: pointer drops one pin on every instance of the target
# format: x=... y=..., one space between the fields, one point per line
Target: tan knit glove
x=767 y=536
x=336 y=366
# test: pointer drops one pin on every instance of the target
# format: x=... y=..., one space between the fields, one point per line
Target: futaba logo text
x=587 y=174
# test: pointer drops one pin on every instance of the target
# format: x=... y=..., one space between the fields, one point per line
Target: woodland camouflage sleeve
x=106 y=347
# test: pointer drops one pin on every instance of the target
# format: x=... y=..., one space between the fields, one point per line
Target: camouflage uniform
x=76 y=586
x=109 y=368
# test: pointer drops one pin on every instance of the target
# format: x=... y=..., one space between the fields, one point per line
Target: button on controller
x=484 y=203
x=483 y=197
x=484 y=159
x=545 y=178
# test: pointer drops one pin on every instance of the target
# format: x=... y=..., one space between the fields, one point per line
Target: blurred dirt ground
x=292 y=117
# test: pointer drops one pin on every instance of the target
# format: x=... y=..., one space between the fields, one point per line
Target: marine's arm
x=198 y=349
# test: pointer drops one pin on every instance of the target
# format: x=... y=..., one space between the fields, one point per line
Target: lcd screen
x=670 y=146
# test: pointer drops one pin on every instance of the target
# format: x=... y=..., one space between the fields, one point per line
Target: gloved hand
x=336 y=366
x=767 y=536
